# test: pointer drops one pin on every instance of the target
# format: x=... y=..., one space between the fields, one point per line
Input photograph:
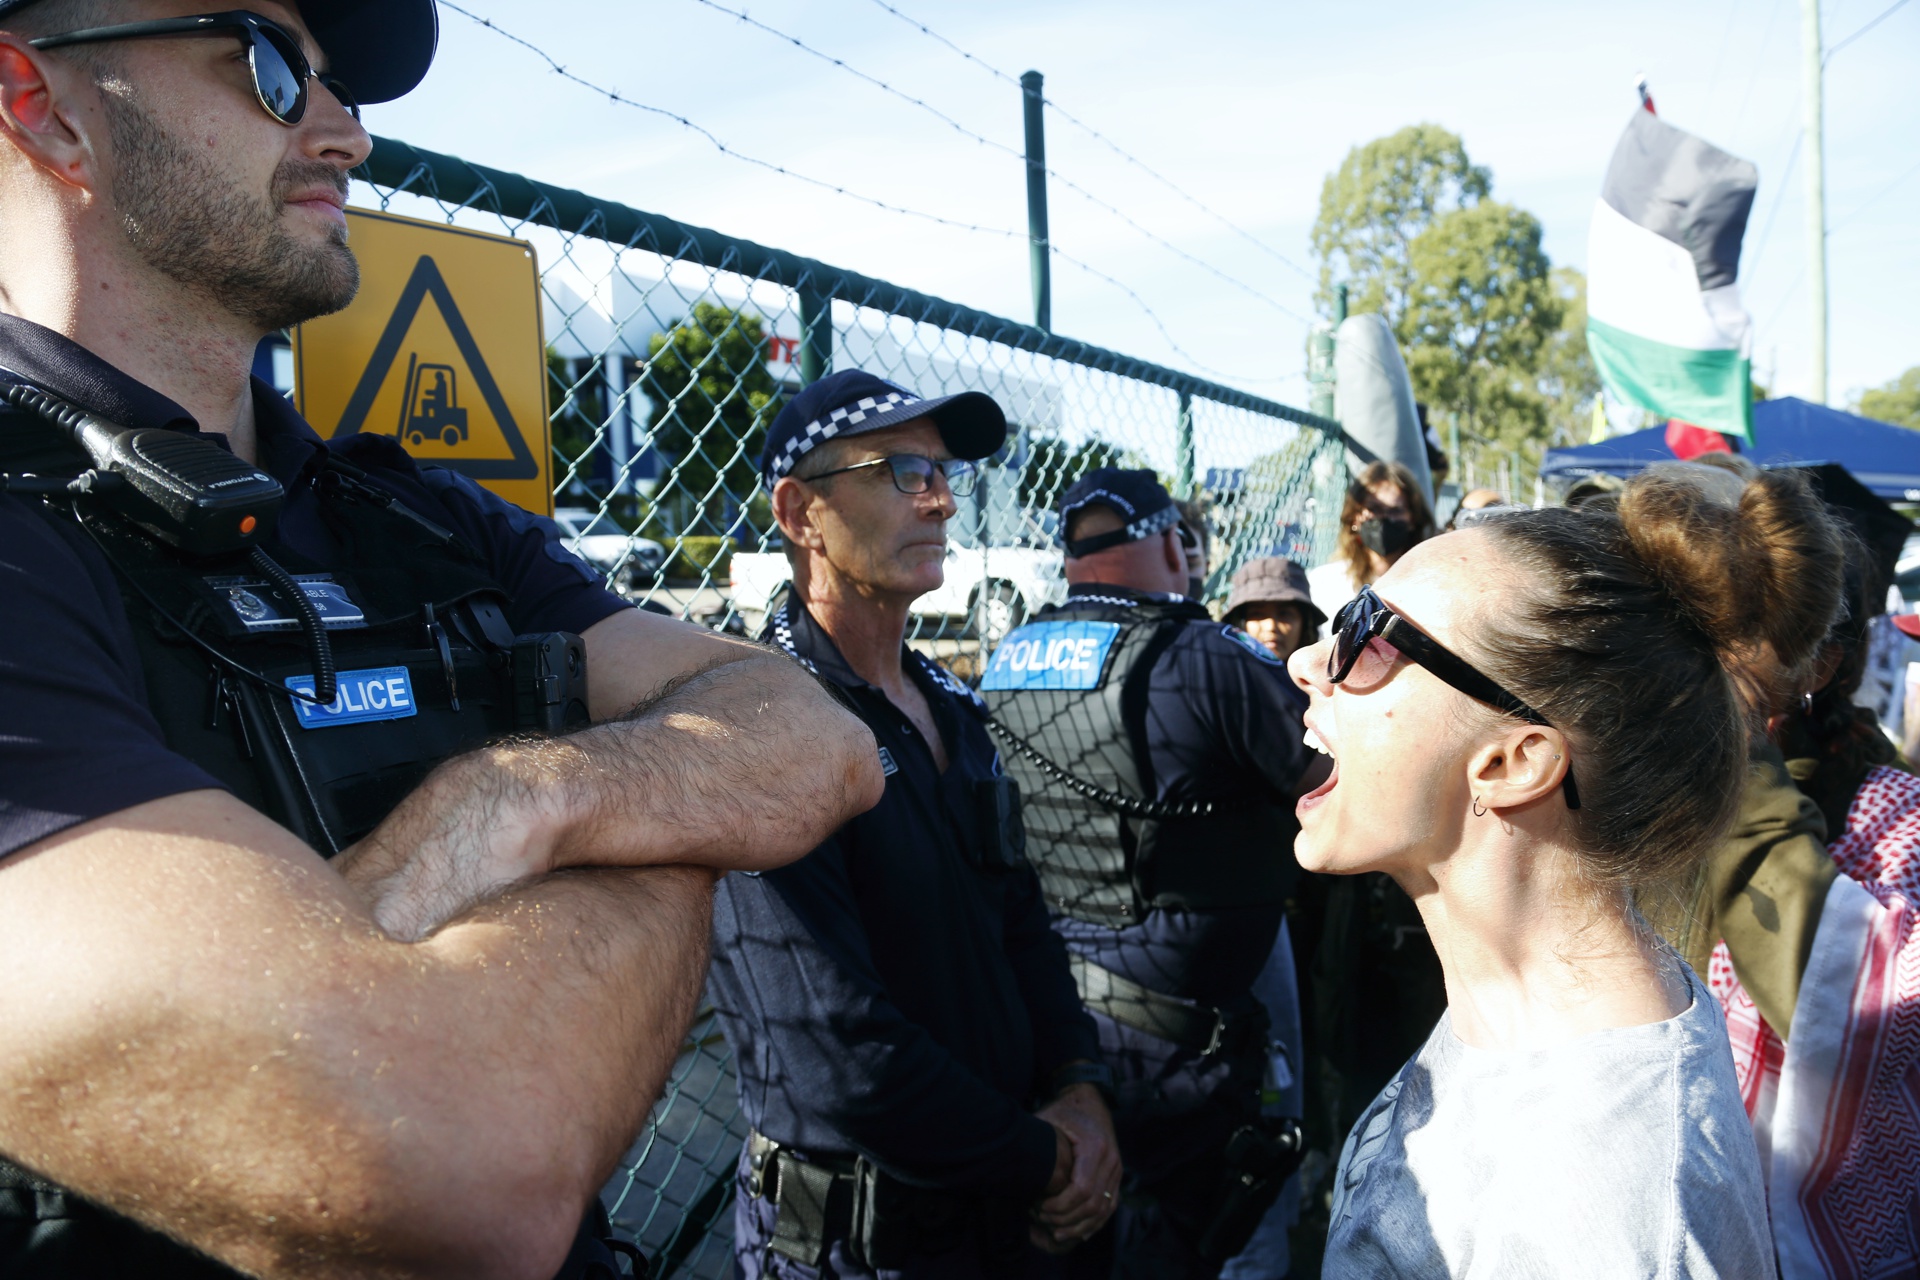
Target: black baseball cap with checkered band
x=853 y=402
x=1134 y=494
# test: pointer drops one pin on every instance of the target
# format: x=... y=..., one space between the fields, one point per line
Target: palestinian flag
x=1664 y=320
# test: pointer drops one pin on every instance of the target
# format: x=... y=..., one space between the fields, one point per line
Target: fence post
x=1320 y=344
x=613 y=370
x=816 y=336
x=1038 y=247
x=1183 y=448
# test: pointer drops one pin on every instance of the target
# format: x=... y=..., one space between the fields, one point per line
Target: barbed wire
x=1005 y=233
x=617 y=98
x=1104 y=205
x=1114 y=147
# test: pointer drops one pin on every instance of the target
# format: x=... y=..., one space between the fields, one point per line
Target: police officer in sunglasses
x=918 y=1073
x=296 y=982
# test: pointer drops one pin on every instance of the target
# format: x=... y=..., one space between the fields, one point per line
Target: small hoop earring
x=1806 y=703
x=1478 y=812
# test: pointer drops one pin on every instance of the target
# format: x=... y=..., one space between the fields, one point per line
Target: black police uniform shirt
x=77 y=740
x=887 y=995
x=1223 y=719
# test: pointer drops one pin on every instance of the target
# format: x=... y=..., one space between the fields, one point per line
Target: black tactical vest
x=428 y=667
x=1071 y=690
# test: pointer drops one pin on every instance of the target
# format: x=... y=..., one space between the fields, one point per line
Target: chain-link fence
x=670 y=349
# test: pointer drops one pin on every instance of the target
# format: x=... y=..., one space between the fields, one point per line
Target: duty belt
x=1187 y=1023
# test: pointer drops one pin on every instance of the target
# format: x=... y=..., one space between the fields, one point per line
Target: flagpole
x=1816 y=195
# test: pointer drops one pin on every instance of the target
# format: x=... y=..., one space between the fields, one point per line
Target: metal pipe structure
x=399 y=166
x=1813 y=90
x=816 y=336
x=1038 y=247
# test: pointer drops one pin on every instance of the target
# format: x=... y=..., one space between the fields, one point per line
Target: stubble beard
x=194 y=225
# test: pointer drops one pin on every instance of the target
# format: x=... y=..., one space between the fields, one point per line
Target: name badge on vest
x=378 y=693
x=1052 y=655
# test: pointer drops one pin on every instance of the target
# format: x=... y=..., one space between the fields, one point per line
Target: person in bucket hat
x=1270 y=601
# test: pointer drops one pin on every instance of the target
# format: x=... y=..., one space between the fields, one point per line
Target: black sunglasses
x=280 y=69
x=914 y=474
x=1367 y=617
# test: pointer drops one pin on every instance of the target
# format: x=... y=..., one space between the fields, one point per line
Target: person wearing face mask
x=1385 y=515
x=1531 y=720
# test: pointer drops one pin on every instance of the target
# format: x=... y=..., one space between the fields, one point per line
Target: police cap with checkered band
x=852 y=402
x=1134 y=494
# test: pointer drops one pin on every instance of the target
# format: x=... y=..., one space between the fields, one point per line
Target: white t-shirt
x=1626 y=1153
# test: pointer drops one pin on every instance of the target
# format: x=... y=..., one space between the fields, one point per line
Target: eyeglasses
x=1366 y=622
x=280 y=69
x=914 y=474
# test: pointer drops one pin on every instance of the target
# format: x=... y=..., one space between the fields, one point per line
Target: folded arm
x=203 y=1028
x=707 y=751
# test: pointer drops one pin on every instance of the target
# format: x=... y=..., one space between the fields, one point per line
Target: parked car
x=631 y=563
x=989 y=590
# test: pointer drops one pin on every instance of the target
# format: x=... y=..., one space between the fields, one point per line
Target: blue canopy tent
x=1885 y=459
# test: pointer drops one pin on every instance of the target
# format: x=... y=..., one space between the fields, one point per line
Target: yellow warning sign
x=442 y=350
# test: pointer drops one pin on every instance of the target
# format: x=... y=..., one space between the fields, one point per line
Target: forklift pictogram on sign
x=431 y=409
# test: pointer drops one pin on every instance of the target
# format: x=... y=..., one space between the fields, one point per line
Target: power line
x=1862 y=206
x=615 y=97
x=1835 y=48
x=1110 y=144
x=1779 y=199
x=1016 y=154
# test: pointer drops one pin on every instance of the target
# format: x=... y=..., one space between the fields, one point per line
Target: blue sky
x=1245 y=106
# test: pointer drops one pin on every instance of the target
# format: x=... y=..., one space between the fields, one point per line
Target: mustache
x=302 y=175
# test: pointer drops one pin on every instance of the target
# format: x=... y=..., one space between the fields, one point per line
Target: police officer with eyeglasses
x=301 y=977
x=1158 y=753
x=921 y=1081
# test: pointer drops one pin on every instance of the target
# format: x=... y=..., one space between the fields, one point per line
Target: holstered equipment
x=1259 y=1159
x=884 y=1222
x=1071 y=707
x=1196 y=1027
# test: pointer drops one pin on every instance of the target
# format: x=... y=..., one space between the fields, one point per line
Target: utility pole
x=1813 y=54
x=1042 y=254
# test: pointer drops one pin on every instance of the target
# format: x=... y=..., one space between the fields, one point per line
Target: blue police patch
x=378 y=693
x=1052 y=655
x=1251 y=645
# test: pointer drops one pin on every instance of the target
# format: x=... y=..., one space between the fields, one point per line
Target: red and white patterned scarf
x=1837 y=1112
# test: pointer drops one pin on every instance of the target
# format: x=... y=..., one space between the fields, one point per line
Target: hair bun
x=1751 y=558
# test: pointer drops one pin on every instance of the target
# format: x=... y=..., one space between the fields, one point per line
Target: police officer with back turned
x=913 y=1058
x=301 y=977
x=1157 y=752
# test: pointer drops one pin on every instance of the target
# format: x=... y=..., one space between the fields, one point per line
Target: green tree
x=1567 y=377
x=1897 y=402
x=1377 y=203
x=712 y=399
x=1480 y=316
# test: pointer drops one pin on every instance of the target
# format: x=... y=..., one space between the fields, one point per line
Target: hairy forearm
x=746 y=765
x=311 y=1098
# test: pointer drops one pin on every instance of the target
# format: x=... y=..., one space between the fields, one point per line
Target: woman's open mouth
x=1320 y=792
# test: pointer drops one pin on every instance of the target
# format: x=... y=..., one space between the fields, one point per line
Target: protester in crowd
x=1385 y=514
x=896 y=999
x=1832 y=1104
x=1374 y=984
x=1475 y=506
x=1528 y=720
x=1269 y=600
x=220 y=1052
x=1157 y=752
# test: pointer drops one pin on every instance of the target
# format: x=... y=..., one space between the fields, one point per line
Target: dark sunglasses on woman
x=1366 y=622
x=914 y=474
x=281 y=72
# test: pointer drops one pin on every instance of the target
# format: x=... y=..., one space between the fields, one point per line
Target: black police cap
x=1134 y=494
x=853 y=402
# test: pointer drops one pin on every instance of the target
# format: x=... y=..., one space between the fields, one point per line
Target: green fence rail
x=670 y=349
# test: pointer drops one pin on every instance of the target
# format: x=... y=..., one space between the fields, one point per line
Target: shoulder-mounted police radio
x=320 y=694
